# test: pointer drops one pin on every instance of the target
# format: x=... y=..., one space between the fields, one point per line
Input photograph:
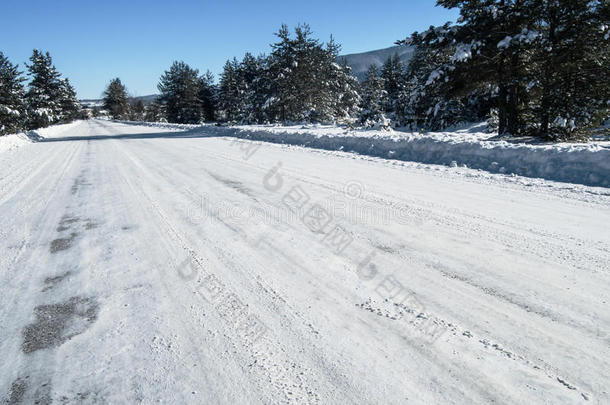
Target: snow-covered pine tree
x=70 y=107
x=207 y=95
x=12 y=97
x=258 y=88
x=44 y=91
x=393 y=74
x=426 y=102
x=115 y=99
x=299 y=81
x=338 y=99
x=307 y=83
x=136 y=110
x=246 y=73
x=572 y=66
x=374 y=100
x=179 y=87
x=541 y=64
x=345 y=91
x=285 y=102
x=324 y=78
x=489 y=48
x=155 y=112
x=229 y=100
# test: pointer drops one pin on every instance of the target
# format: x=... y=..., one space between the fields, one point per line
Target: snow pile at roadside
x=587 y=164
x=53 y=131
x=13 y=141
x=160 y=125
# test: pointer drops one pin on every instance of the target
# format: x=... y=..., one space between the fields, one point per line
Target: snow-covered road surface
x=140 y=265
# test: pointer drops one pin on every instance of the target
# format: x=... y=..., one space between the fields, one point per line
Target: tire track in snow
x=55 y=323
x=284 y=376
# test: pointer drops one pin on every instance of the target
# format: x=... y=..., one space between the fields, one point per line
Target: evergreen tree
x=12 y=94
x=299 y=81
x=115 y=99
x=179 y=87
x=489 y=44
x=96 y=111
x=374 y=100
x=258 y=88
x=393 y=74
x=338 y=92
x=207 y=95
x=136 y=110
x=295 y=65
x=155 y=112
x=44 y=93
x=245 y=74
x=426 y=102
x=229 y=100
x=283 y=91
x=308 y=84
x=539 y=67
x=70 y=107
x=572 y=58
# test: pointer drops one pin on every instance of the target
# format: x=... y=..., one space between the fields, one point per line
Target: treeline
x=530 y=68
x=300 y=80
x=48 y=98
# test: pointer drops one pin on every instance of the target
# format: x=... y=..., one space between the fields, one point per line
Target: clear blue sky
x=92 y=42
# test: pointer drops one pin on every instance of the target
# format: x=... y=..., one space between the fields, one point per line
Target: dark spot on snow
x=88 y=397
x=386 y=249
x=66 y=222
x=78 y=182
x=126 y=227
x=566 y=384
x=90 y=224
x=79 y=397
x=51 y=282
x=57 y=323
x=235 y=185
x=232 y=228
x=17 y=391
x=43 y=395
x=60 y=244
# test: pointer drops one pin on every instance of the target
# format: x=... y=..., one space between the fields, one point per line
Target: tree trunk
x=502 y=94
x=512 y=97
x=545 y=102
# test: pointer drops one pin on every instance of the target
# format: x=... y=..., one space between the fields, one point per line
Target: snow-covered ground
x=13 y=141
x=581 y=163
x=145 y=264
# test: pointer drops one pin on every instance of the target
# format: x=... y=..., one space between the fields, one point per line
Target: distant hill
x=98 y=102
x=360 y=62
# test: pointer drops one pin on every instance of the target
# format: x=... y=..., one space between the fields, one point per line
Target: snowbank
x=13 y=141
x=53 y=131
x=160 y=125
x=587 y=164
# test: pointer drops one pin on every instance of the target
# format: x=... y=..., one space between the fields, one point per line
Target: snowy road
x=141 y=265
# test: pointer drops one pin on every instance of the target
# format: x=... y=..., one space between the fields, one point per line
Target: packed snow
x=147 y=264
